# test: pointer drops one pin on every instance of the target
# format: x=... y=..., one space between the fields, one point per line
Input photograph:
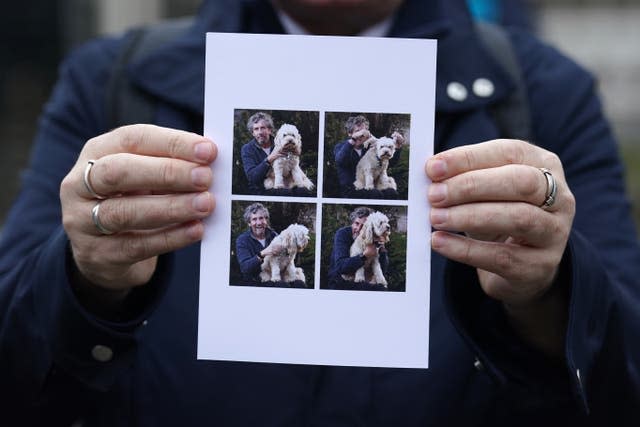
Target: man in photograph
x=341 y=261
x=259 y=154
x=251 y=246
x=348 y=153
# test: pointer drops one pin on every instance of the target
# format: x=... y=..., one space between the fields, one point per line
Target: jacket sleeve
x=600 y=375
x=344 y=263
x=54 y=355
x=249 y=262
x=255 y=168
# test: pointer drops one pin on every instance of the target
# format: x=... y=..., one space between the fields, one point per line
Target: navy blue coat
x=247 y=247
x=256 y=167
x=479 y=372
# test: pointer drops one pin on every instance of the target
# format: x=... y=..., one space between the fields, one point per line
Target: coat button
x=102 y=353
x=457 y=91
x=483 y=88
x=478 y=365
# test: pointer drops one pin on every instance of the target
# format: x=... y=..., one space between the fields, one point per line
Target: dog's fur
x=371 y=171
x=280 y=267
x=285 y=171
x=376 y=229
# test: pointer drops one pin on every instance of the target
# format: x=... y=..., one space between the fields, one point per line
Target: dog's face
x=385 y=148
x=297 y=236
x=377 y=228
x=289 y=138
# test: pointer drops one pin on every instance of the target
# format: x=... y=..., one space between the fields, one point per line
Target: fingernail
x=437 y=192
x=203 y=151
x=439 y=216
x=438 y=240
x=202 y=202
x=438 y=168
x=201 y=176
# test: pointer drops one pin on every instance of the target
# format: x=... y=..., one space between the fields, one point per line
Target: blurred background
x=602 y=35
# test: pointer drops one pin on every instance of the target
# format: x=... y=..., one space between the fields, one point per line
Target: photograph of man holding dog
x=374 y=149
x=259 y=241
x=262 y=153
x=388 y=248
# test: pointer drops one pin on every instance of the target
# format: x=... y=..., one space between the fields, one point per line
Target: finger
x=519 y=183
x=129 y=213
x=150 y=140
x=124 y=172
x=526 y=224
x=123 y=250
x=514 y=263
x=489 y=154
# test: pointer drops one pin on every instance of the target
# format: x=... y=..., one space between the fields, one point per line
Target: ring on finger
x=86 y=178
x=552 y=189
x=95 y=217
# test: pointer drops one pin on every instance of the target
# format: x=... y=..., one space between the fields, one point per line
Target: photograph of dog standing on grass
x=365 y=248
x=367 y=154
x=275 y=152
x=272 y=244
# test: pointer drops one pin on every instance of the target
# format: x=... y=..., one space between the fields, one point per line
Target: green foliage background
x=380 y=124
x=281 y=216
x=337 y=216
x=307 y=123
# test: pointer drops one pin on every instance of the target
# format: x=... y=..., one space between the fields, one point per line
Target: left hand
x=493 y=192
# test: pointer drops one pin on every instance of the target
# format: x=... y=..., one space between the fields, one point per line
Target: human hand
x=398 y=139
x=359 y=137
x=370 y=250
x=275 y=154
x=493 y=193
x=272 y=249
x=154 y=181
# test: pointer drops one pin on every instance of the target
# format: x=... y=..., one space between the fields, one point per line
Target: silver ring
x=552 y=189
x=95 y=212
x=87 y=181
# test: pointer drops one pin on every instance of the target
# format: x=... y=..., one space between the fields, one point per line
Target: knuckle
x=525 y=220
x=174 y=145
x=109 y=173
x=169 y=172
x=468 y=187
x=528 y=184
x=134 y=248
x=504 y=261
x=513 y=151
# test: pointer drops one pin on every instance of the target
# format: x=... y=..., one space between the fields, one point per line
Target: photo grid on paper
x=334 y=189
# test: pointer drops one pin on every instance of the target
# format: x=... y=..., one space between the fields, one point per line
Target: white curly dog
x=279 y=266
x=285 y=171
x=375 y=230
x=371 y=170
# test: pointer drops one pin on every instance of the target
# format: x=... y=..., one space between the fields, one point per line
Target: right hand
x=155 y=181
x=370 y=250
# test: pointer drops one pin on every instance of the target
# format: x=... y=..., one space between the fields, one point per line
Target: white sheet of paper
x=328 y=77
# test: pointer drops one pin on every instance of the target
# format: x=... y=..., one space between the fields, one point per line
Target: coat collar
x=174 y=73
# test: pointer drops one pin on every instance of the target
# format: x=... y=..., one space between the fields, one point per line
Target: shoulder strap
x=125 y=103
x=512 y=114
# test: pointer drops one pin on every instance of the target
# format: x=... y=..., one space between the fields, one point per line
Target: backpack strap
x=512 y=115
x=125 y=103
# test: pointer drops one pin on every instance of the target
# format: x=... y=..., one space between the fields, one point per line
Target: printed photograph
x=367 y=155
x=272 y=244
x=364 y=248
x=275 y=152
